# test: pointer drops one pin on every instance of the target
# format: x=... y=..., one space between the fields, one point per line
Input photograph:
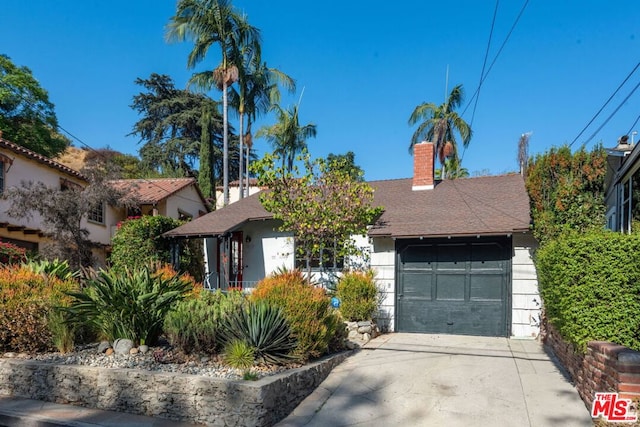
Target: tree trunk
x=225 y=145
x=240 y=153
x=247 y=181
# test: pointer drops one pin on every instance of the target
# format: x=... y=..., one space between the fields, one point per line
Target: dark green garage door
x=454 y=286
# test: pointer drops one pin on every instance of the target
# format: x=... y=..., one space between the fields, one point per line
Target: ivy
x=566 y=191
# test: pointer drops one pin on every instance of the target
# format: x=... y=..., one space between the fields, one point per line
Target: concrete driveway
x=444 y=380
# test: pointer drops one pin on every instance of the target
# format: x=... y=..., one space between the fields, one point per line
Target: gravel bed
x=158 y=359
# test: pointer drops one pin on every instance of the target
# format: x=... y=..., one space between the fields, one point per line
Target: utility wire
x=41 y=114
x=484 y=63
x=610 y=116
x=633 y=125
x=495 y=58
x=605 y=104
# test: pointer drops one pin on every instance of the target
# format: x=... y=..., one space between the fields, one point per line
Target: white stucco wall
x=234 y=195
x=526 y=302
x=187 y=200
x=267 y=251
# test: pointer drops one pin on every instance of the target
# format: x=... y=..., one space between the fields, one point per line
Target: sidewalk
x=34 y=413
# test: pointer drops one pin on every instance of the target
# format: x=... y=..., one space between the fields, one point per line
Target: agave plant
x=130 y=304
x=264 y=328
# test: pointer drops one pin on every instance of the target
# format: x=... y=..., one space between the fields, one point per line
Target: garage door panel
x=479 y=318
x=416 y=285
x=450 y=287
x=418 y=257
x=487 y=287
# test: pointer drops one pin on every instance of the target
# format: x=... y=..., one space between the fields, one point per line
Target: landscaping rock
x=143 y=348
x=109 y=351
x=122 y=346
x=134 y=350
x=103 y=346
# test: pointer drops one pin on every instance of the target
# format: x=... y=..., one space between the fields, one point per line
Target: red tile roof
x=151 y=191
x=18 y=149
x=491 y=205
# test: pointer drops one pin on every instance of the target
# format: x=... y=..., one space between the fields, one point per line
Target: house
x=234 y=191
x=621 y=181
x=178 y=198
x=18 y=165
x=450 y=256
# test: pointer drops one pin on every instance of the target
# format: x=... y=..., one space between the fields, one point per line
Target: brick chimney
x=423 y=157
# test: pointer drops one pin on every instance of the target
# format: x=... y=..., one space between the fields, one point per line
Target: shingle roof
x=467 y=206
x=489 y=205
x=18 y=149
x=223 y=220
x=151 y=191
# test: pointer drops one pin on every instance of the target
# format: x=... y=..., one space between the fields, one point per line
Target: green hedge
x=590 y=285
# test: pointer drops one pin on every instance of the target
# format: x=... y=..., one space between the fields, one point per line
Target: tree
x=116 y=165
x=27 y=117
x=439 y=124
x=346 y=163
x=323 y=207
x=453 y=169
x=566 y=191
x=62 y=212
x=287 y=137
x=258 y=90
x=209 y=22
x=175 y=125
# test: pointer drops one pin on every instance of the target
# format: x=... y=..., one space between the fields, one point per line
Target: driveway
x=444 y=380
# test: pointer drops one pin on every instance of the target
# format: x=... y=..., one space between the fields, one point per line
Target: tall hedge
x=139 y=243
x=590 y=286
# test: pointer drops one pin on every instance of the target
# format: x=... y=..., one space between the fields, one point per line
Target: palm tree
x=209 y=22
x=438 y=124
x=258 y=90
x=287 y=136
x=453 y=169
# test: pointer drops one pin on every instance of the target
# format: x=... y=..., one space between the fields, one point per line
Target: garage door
x=454 y=286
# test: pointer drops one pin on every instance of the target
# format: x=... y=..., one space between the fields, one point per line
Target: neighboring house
x=234 y=191
x=451 y=256
x=622 y=185
x=19 y=165
x=178 y=198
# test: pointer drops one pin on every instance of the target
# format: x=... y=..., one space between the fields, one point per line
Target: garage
x=454 y=286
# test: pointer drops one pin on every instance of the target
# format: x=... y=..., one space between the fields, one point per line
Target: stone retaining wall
x=606 y=367
x=196 y=399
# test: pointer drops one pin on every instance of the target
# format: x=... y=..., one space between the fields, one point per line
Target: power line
x=40 y=113
x=498 y=54
x=476 y=93
x=610 y=116
x=605 y=104
x=484 y=63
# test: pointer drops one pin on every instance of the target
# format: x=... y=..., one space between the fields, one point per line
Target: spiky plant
x=263 y=327
x=238 y=354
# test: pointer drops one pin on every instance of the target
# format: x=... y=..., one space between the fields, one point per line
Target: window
x=329 y=259
x=96 y=214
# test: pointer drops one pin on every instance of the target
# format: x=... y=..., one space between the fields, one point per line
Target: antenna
x=446 y=83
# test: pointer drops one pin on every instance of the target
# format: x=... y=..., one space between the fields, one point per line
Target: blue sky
x=364 y=66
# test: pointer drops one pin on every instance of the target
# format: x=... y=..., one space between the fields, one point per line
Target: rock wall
x=196 y=399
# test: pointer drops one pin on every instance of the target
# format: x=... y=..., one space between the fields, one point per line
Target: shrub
x=11 y=254
x=139 y=243
x=358 y=294
x=56 y=268
x=306 y=308
x=264 y=328
x=590 y=286
x=27 y=301
x=195 y=323
x=130 y=304
x=238 y=354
